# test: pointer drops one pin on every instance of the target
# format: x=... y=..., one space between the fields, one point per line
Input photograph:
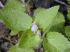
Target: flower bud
x=39 y=32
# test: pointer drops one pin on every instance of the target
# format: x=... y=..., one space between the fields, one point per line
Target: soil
x=7 y=41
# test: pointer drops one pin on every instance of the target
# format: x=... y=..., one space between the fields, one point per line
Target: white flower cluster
x=35 y=29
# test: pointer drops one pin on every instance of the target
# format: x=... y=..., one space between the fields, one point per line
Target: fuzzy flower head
x=38 y=32
x=34 y=28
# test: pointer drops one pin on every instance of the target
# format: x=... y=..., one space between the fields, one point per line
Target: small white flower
x=34 y=28
x=39 y=32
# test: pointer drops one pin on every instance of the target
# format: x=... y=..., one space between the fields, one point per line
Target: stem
x=42 y=38
x=62 y=3
x=46 y=32
x=26 y=6
x=23 y=1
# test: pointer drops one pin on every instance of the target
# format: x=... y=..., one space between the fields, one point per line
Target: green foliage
x=55 y=42
x=0 y=17
x=68 y=0
x=67 y=31
x=28 y=39
x=67 y=50
x=15 y=48
x=45 y=18
x=13 y=33
x=15 y=5
x=14 y=17
x=20 y=33
x=38 y=10
x=69 y=14
x=58 y=23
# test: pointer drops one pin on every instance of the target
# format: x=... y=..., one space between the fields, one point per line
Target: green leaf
x=15 y=18
x=45 y=18
x=55 y=42
x=14 y=5
x=68 y=0
x=13 y=33
x=58 y=23
x=68 y=14
x=28 y=39
x=15 y=48
x=20 y=33
x=67 y=50
x=38 y=10
x=67 y=31
x=0 y=16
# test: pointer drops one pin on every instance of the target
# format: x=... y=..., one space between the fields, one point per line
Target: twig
x=27 y=6
x=62 y=3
